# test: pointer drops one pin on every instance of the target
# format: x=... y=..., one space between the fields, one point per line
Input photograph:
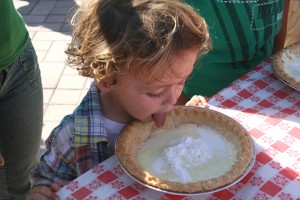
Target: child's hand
x=42 y=192
x=197 y=100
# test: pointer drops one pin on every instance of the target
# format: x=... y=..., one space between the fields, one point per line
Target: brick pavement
x=49 y=29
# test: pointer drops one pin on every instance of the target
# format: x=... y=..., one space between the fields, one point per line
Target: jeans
x=21 y=118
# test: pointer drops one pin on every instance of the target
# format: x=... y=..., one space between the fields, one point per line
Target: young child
x=139 y=53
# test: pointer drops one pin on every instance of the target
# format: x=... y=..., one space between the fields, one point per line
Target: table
x=270 y=112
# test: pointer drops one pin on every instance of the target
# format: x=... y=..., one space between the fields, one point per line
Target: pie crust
x=282 y=61
x=136 y=133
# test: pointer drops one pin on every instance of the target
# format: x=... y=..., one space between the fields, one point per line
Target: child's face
x=153 y=101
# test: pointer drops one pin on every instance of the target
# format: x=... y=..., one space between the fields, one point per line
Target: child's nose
x=173 y=95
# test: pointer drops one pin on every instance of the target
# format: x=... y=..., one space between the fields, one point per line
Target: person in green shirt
x=243 y=34
x=21 y=104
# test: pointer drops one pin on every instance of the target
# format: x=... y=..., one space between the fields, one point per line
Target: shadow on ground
x=50 y=16
x=54 y=15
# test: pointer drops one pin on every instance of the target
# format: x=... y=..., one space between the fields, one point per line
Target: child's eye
x=154 y=95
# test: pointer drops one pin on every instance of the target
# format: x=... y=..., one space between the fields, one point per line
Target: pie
x=286 y=65
x=197 y=150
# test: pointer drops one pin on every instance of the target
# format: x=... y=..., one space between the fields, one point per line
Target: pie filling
x=293 y=69
x=287 y=65
x=192 y=153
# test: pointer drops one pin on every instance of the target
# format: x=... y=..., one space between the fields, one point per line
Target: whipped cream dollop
x=187 y=153
x=292 y=65
x=296 y=65
x=294 y=70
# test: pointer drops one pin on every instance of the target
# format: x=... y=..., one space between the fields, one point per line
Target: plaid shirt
x=76 y=145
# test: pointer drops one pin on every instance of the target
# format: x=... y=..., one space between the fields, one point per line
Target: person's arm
x=280 y=37
x=196 y=100
x=42 y=192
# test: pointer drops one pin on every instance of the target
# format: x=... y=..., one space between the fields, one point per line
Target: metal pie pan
x=196 y=193
x=247 y=170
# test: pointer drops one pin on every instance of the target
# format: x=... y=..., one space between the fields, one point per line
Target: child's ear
x=104 y=86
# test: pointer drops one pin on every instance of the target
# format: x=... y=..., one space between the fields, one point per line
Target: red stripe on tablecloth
x=289 y=173
x=280 y=146
x=107 y=177
x=128 y=192
x=270 y=188
x=223 y=194
x=295 y=132
x=256 y=133
x=81 y=193
x=260 y=84
x=263 y=158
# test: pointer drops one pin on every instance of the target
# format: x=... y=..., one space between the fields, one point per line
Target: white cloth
x=113 y=130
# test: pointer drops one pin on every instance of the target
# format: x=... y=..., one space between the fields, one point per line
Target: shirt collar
x=88 y=120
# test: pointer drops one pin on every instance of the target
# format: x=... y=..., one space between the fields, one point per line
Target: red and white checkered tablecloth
x=270 y=112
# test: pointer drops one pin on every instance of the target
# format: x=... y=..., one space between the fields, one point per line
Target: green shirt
x=242 y=34
x=13 y=33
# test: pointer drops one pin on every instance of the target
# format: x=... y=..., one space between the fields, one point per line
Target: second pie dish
x=286 y=65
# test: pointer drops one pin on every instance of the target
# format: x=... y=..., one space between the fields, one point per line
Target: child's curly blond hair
x=112 y=37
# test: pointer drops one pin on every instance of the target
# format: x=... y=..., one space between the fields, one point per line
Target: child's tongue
x=159 y=118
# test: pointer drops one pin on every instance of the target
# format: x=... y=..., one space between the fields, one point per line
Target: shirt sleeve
x=58 y=162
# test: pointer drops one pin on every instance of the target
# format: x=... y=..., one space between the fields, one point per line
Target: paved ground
x=48 y=24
